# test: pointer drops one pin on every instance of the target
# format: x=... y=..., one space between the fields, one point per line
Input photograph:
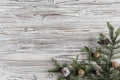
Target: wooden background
x=33 y=31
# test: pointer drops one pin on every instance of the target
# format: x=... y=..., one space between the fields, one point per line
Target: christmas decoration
x=65 y=71
x=104 y=41
x=101 y=62
x=114 y=64
x=81 y=72
x=96 y=54
x=95 y=71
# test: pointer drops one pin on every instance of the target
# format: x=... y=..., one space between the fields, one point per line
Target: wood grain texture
x=33 y=31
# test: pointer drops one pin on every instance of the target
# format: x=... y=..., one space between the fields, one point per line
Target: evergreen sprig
x=100 y=63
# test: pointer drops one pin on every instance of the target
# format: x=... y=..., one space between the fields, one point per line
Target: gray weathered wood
x=33 y=31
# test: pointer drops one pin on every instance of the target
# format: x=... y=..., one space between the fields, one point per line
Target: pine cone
x=81 y=72
x=104 y=41
x=95 y=72
x=114 y=64
x=96 y=54
x=65 y=71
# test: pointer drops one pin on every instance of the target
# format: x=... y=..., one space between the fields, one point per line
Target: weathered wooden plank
x=33 y=31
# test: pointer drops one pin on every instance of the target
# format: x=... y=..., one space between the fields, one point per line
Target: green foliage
x=100 y=66
x=57 y=64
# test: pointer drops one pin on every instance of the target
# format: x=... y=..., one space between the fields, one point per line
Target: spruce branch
x=56 y=63
x=101 y=58
x=111 y=31
x=57 y=66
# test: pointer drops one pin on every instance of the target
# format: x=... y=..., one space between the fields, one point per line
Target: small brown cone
x=114 y=64
x=95 y=72
x=106 y=41
x=65 y=71
x=96 y=54
x=81 y=72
